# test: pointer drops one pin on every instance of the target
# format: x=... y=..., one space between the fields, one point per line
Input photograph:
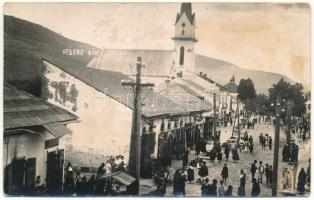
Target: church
x=177 y=112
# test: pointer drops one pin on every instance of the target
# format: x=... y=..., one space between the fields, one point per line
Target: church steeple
x=232 y=80
x=187 y=9
x=184 y=39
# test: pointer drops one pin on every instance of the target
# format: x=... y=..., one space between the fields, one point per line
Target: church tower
x=184 y=39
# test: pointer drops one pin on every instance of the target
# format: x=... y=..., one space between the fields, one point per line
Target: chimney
x=205 y=75
x=201 y=73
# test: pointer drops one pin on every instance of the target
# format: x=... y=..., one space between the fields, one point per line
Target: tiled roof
x=109 y=82
x=232 y=87
x=22 y=109
x=221 y=87
x=186 y=98
x=195 y=85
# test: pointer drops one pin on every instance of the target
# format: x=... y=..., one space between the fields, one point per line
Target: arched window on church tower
x=181 y=56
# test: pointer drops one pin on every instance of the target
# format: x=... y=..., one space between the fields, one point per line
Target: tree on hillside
x=289 y=92
x=246 y=93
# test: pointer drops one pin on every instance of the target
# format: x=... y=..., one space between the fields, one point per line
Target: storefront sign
x=51 y=143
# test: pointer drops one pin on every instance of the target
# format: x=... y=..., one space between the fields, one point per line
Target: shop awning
x=57 y=129
x=120 y=176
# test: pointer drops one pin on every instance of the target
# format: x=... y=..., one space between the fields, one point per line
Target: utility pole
x=276 y=148
x=135 y=146
x=238 y=113
x=215 y=135
x=288 y=124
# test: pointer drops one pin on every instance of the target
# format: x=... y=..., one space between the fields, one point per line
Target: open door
x=30 y=175
x=54 y=175
x=14 y=177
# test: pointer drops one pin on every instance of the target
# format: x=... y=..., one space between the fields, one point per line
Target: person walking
x=261 y=171
x=235 y=155
x=251 y=147
x=270 y=142
x=253 y=169
x=227 y=151
x=261 y=138
x=263 y=141
x=267 y=174
x=203 y=171
x=219 y=155
x=251 y=139
x=301 y=181
x=224 y=173
x=242 y=178
x=190 y=173
x=221 y=189
x=256 y=189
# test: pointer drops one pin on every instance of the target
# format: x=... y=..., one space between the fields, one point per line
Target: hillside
x=25 y=43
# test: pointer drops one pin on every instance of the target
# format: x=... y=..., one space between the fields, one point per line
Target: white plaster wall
x=30 y=146
x=105 y=124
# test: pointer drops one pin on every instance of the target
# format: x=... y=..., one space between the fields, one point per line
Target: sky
x=260 y=36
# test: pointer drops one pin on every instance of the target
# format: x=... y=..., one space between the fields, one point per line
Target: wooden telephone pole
x=215 y=122
x=238 y=113
x=288 y=124
x=135 y=146
x=276 y=148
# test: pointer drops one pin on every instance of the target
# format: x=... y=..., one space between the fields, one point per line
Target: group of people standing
x=217 y=153
x=265 y=141
x=76 y=183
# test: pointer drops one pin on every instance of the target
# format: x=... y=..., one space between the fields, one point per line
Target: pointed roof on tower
x=187 y=9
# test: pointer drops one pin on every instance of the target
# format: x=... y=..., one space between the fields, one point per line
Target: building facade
x=34 y=141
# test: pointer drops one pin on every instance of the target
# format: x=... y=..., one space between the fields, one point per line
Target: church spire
x=184 y=39
x=232 y=80
x=187 y=9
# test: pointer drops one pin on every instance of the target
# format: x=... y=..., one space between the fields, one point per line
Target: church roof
x=187 y=9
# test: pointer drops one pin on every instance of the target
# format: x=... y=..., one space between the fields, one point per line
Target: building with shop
x=34 y=141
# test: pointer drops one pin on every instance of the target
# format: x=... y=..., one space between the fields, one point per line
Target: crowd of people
x=76 y=183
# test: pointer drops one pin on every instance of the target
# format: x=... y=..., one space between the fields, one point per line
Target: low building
x=34 y=141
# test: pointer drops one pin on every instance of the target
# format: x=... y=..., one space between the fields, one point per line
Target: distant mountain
x=222 y=72
x=25 y=43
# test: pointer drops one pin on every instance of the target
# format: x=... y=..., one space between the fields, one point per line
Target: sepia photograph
x=156 y=99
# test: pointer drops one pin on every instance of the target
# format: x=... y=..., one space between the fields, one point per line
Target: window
x=182 y=33
x=169 y=125
x=183 y=24
x=181 y=56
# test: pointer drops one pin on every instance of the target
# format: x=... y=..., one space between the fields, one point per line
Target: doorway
x=54 y=174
